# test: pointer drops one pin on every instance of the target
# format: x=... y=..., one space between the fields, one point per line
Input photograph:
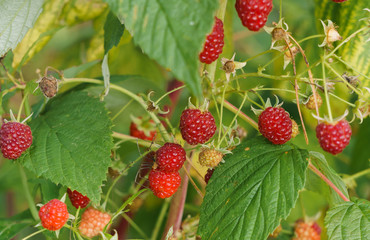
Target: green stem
x=29 y=198
x=279 y=89
x=242 y=115
x=326 y=89
x=138 y=99
x=221 y=115
x=160 y=219
x=168 y=93
x=281 y=9
x=132 y=139
x=135 y=226
x=359 y=174
x=347 y=83
x=122 y=109
x=345 y=41
x=350 y=66
x=21 y=107
x=341 y=99
x=33 y=234
x=232 y=122
x=260 y=54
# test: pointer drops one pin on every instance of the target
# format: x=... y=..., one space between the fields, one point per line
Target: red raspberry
x=339 y=1
x=15 y=138
x=208 y=174
x=146 y=130
x=307 y=231
x=53 y=215
x=253 y=13
x=170 y=157
x=164 y=184
x=333 y=138
x=93 y=222
x=275 y=124
x=77 y=199
x=214 y=43
x=196 y=126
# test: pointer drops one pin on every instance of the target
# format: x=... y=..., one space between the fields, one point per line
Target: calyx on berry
x=279 y=34
x=331 y=34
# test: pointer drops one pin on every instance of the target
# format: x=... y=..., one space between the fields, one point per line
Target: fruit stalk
x=325 y=179
x=242 y=115
x=29 y=198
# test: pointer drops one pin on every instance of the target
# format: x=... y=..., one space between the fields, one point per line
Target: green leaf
x=349 y=220
x=316 y=184
x=49 y=190
x=252 y=191
x=113 y=31
x=72 y=143
x=9 y=227
x=170 y=31
x=16 y=18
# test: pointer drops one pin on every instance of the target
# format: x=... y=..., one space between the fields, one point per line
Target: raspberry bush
x=184 y=119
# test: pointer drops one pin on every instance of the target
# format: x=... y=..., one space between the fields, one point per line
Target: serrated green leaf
x=252 y=191
x=170 y=31
x=16 y=18
x=316 y=184
x=349 y=220
x=113 y=31
x=72 y=143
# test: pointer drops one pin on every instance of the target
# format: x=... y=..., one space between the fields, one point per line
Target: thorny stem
x=138 y=99
x=242 y=115
x=309 y=73
x=325 y=179
x=178 y=202
x=29 y=198
x=296 y=93
x=326 y=90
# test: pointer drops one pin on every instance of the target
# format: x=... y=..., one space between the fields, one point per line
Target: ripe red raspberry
x=210 y=158
x=77 y=199
x=170 y=157
x=307 y=231
x=275 y=124
x=15 y=138
x=214 y=43
x=253 y=13
x=197 y=127
x=92 y=222
x=145 y=130
x=164 y=184
x=208 y=174
x=53 y=215
x=333 y=138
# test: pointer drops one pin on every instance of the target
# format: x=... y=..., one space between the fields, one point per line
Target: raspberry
x=145 y=130
x=53 y=215
x=253 y=13
x=170 y=157
x=210 y=158
x=92 y=222
x=77 y=199
x=295 y=129
x=164 y=184
x=196 y=126
x=334 y=137
x=15 y=138
x=307 y=231
x=214 y=43
x=208 y=174
x=275 y=124
x=311 y=101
